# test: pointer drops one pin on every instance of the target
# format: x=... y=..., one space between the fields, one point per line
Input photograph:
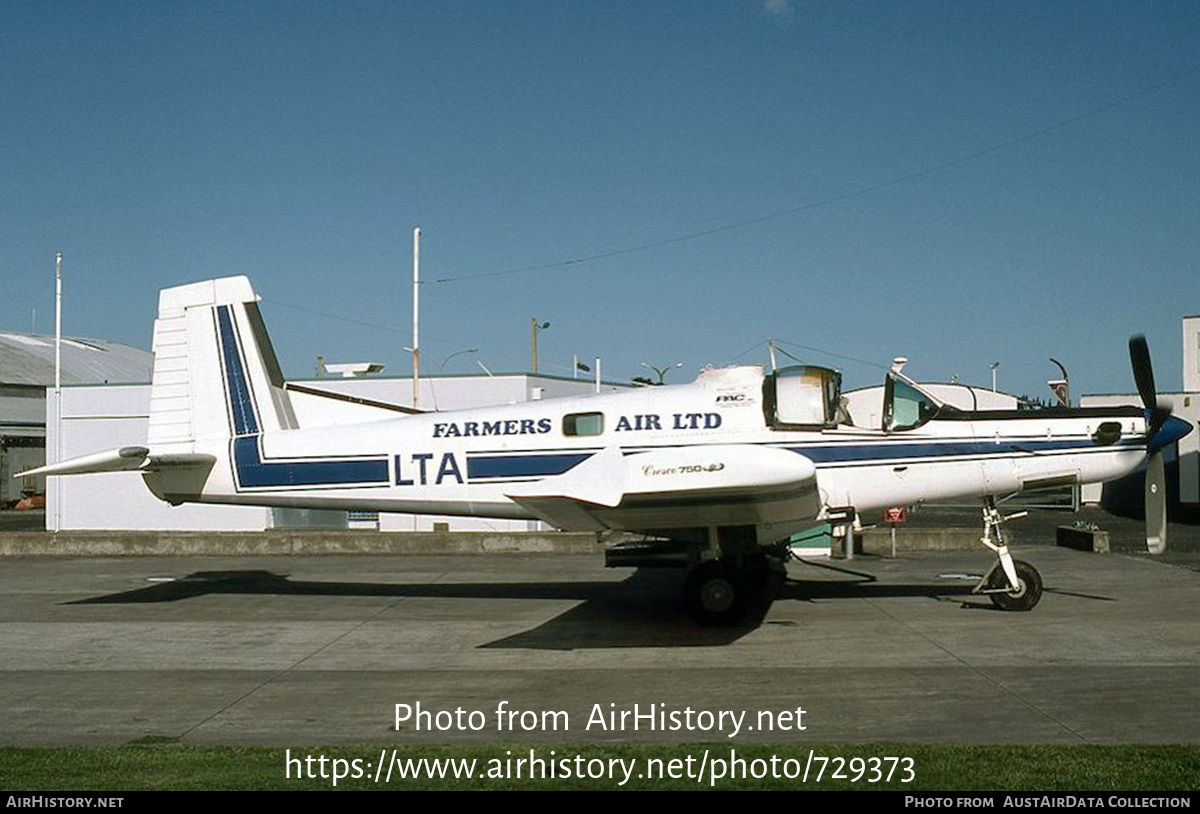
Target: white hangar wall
x=101 y=417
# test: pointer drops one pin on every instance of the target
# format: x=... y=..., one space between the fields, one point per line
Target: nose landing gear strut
x=1012 y=585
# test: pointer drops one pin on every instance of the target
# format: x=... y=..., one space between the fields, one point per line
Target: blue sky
x=955 y=182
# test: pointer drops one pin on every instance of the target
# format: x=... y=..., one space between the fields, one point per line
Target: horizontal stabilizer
x=733 y=484
x=113 y=460
x=125 y=459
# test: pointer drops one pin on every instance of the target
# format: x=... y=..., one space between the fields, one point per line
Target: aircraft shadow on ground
x=851 y=584
x=644 y=610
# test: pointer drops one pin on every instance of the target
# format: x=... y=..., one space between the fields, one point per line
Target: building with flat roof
x=26 y=373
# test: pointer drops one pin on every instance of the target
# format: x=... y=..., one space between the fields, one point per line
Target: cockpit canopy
x=807 y=397
x=803 y=396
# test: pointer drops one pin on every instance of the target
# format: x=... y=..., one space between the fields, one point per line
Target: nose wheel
x=1012 y=585
x=1004 y=596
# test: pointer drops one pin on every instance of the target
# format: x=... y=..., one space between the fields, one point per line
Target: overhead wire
x=353 y=321
x=833 y=199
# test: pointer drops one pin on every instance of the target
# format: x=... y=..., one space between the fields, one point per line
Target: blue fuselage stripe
x=846 y=453
x=480 y=467
x=253 y=472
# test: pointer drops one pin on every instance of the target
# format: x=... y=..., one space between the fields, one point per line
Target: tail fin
x=215 y=372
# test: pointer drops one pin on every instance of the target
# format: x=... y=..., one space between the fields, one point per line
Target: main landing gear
x=731 y=577
x=722 y=592
x=1012 y=585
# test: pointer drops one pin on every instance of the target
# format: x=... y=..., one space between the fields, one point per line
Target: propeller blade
x=1143 y=371
x=1156 y=505
x=1143 y=375
x=1156 y=418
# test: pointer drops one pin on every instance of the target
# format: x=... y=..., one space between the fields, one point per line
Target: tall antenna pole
x=58 y=321
x=58 y=444
x=416 y=346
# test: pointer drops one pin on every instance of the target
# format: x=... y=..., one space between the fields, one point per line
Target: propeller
x=1161 y=431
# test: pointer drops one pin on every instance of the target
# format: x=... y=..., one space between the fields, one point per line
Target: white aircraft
x=726 y=468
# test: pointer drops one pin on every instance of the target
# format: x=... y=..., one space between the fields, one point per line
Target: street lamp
x=1061 y=387
x=993 y=366
x=456 y=353
x=534 y=327
x=661 y=371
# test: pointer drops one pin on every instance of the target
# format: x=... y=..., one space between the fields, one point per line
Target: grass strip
x=936 y=767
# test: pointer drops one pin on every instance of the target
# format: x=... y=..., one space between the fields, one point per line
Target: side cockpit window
x=904 y=406
x=803 y=396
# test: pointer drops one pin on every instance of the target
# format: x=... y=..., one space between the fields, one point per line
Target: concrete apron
x=192 y=543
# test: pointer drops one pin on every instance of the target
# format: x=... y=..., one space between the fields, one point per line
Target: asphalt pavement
x=291 y=650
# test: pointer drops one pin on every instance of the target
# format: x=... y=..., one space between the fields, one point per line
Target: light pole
x=993 y=366
x=661 y=371
x=534 y=327
x=1061 y=387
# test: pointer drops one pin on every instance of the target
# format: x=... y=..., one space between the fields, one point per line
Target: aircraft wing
x=125 y=459
x=685 y=487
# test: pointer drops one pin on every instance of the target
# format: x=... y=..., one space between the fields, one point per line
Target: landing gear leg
x=1012 y=585
x=721 y=590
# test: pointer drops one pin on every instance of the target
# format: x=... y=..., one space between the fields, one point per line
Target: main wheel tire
x=1028 y=593
x=716 y=595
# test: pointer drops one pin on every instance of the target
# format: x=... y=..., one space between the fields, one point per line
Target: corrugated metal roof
x=29 y=359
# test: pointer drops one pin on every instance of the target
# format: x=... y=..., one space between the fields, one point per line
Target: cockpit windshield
x=904 y=406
